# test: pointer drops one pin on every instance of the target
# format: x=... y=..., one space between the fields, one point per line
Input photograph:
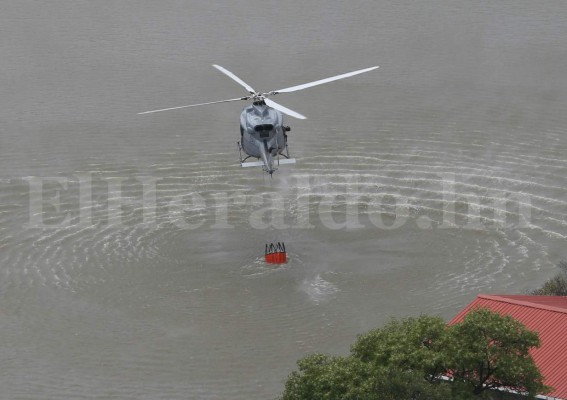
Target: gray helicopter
x=263 y=134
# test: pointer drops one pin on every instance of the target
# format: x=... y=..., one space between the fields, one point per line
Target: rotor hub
x=256 y=97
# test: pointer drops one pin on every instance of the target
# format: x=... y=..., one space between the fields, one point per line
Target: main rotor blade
x=283 y=109
x=321 y=81
x=236 y=78
x=193 y=105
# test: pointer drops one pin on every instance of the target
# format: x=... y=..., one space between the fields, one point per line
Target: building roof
x=547 y=315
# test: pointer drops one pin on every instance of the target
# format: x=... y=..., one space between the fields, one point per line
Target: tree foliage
x=488 y=351
x=408 y=344
x=556 y=286
x=406 y=359
x=322 y=377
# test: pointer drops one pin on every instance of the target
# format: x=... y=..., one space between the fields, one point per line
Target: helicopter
x=263 y=135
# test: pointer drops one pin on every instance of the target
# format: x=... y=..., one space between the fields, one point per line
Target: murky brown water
x=419 y=185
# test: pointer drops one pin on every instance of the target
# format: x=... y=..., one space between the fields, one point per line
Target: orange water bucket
x=275 y=253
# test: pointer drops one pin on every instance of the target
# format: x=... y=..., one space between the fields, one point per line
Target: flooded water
x=131 y=246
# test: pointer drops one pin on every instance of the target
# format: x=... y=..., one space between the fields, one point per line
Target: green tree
x=556 y=286
x=422 y=358
x=322 y=377
x=411 y=344
x=488 y=351
x=325 y=377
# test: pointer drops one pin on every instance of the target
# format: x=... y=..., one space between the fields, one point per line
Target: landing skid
x=261 y=163
x=279 y=161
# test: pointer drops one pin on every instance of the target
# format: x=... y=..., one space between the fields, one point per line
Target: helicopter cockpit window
x=264 y=130
x=263 y=127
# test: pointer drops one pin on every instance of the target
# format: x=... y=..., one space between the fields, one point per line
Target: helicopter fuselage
x=263 y=134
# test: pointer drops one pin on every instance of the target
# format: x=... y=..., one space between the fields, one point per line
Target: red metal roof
x=547 y=315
